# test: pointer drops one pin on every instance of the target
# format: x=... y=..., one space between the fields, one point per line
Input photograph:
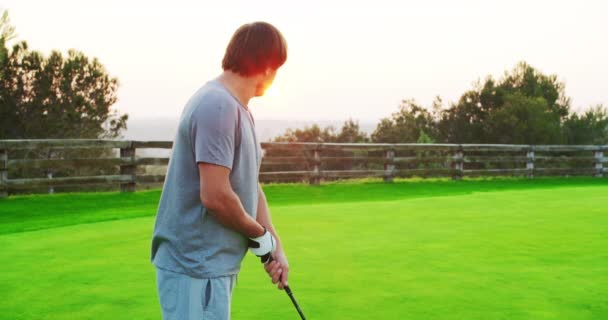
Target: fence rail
x=313 y=162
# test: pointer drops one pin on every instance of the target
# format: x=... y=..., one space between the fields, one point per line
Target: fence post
x=128 y=152
x=599 y=163
x=389 y=165
x=316 y=169
x=49 y=175
x=530 y=163
x=3 y=173
x=458 y=163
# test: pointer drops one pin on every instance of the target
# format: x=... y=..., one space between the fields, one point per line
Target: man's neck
x=242 y=88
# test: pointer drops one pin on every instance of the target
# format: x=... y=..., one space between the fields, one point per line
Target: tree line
x=54 y=96
x=525 y=106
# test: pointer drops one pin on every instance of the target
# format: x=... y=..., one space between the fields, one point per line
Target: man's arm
x=279 y=268
x=217 y=196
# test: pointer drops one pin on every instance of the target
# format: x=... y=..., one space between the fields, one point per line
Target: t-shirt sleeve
x=212 y=130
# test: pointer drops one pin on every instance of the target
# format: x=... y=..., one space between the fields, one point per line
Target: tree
x=351 y=133
x=55 y=97
x=591 y=127
x=464 y=121
x=523 y=120
x=313 y=133
x=424 y=138
x=407 y=124
x=525 y=106
x=7 y=33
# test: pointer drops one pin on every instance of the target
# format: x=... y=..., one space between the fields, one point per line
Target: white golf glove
x=263 y=246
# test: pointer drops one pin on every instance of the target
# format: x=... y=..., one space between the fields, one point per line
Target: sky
x=347 y=59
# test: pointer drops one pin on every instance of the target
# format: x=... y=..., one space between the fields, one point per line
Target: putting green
x=512 y=249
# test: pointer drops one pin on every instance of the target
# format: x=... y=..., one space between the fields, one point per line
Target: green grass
x=481 y=249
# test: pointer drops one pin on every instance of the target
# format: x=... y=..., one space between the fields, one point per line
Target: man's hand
x=278 y=269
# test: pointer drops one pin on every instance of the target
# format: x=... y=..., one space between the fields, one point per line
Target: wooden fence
x=312 y=162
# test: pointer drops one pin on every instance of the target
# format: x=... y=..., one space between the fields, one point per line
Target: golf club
x=268 y=259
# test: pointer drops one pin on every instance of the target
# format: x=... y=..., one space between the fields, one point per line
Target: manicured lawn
x=497 y=249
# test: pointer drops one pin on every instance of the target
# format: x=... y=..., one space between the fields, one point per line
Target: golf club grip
x=267 y=258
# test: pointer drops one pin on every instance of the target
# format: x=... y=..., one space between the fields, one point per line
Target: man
x=212 y=205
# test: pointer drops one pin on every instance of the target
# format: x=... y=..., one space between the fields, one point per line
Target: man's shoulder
x=213 y=94
x=211 y=99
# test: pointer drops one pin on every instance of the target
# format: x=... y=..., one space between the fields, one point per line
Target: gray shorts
x=185 y=298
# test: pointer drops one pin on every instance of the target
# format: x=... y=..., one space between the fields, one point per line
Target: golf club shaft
x=287 y=290
x=295 y=303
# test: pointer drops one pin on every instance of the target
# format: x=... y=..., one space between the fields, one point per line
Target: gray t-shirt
x=214 y=127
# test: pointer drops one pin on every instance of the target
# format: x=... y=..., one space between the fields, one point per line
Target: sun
x=271 y=92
